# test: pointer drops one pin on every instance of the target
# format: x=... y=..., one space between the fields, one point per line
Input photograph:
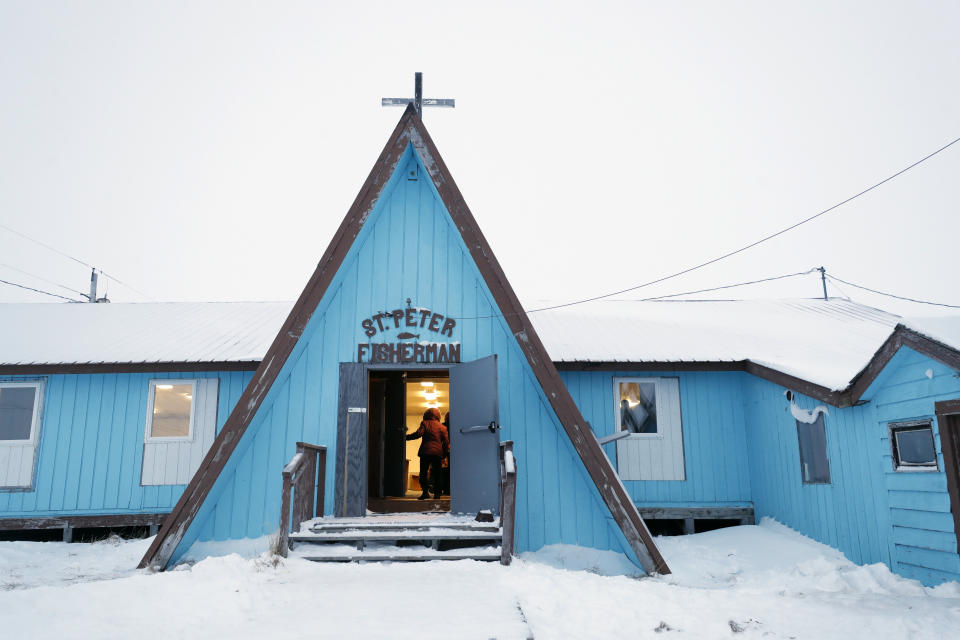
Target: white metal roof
x=825 y=342
x=45 y=333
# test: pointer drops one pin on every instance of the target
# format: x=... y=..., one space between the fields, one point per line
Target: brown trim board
x=81 y=522
x=901 y=337
x=126 y=367
x=410 y=130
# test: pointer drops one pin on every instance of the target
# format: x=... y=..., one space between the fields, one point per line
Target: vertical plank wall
x=91 y=445
x=923 y=544
x=408 y=248
x=714 y=436
x=868 y=511
x=849 y=513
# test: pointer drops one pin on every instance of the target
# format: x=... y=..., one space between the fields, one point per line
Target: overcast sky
x=208 y=150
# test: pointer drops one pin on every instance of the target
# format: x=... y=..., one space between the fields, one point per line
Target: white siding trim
x=653 y=456
x=173 y=461
x=18 y=457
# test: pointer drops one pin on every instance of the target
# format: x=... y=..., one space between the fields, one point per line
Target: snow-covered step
x=433 y=533
x=399 y=554
x=332 y=526
x=397 y=538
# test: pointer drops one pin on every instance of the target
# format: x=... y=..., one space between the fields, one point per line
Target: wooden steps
x=383 y=538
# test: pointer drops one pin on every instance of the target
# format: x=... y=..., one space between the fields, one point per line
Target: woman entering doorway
x=434 y=449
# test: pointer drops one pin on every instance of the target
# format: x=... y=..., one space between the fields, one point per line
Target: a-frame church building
x=409 y=284
x=587 y=425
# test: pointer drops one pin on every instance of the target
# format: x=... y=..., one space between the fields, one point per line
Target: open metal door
x=350 y=493
x=474 y=437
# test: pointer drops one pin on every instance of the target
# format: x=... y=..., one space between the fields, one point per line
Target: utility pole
x=92 y=296
x=823 y=279
x=93 y=285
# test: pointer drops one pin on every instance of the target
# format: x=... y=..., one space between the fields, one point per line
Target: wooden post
x=321 y=478
x=306 y=469
x=688 y=526
x=67 y=533
x=508 y=500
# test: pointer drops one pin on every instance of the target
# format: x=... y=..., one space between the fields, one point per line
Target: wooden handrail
x=508 y=499
x=303 y=488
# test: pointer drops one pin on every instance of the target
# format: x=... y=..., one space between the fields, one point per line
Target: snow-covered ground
x=757 y=581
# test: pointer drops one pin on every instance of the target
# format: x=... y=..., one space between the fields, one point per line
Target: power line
x=42 y=279
x=753 y=244
x=46 y=293
x=77 y=260
x=46 y=246
x=730 y=286
x=890 y=295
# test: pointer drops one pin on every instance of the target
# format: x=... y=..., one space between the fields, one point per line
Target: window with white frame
x=649 y=410
x=180 y=427
x=912 y=446
x=171 y=409
x=19 y=427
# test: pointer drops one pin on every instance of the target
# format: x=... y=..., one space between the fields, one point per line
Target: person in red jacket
x=434 y=447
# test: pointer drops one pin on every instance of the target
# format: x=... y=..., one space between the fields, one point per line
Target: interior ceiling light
x=164 y=386
x=430 y=395
x=426 y=384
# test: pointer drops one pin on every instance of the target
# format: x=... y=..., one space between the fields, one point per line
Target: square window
x=814 y=465
x=170 y=412
x=18 y=408
x=638 y=406
x=912 y=446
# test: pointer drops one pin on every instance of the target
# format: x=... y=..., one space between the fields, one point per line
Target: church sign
x=417 y=350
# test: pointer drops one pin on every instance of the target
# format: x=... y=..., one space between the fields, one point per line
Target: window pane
x=638 y=407
x=171 y=411
x=814 y=466
x=915 y=446
x=16 y=412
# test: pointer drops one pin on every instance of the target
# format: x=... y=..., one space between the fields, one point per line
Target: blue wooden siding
x=849 y=513
x=923 y=544
x=91 y=445
x=408 y=248
x=868 y=511
x=714 y=436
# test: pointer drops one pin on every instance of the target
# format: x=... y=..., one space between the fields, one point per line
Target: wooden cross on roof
x=419 y=102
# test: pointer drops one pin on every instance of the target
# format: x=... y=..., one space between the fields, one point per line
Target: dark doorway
x=397 y=401
x=948 y=420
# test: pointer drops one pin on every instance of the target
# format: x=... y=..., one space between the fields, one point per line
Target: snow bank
x=24 y=565
x=761 y=581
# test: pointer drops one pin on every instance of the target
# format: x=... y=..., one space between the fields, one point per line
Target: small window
x=638 y=406
x=913 y=447
x=814 y=465
x=18 y=411
x=170 y=409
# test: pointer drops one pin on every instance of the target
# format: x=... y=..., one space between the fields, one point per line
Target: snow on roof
x=945 y=329
x=823 y=341
x=45 y=333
